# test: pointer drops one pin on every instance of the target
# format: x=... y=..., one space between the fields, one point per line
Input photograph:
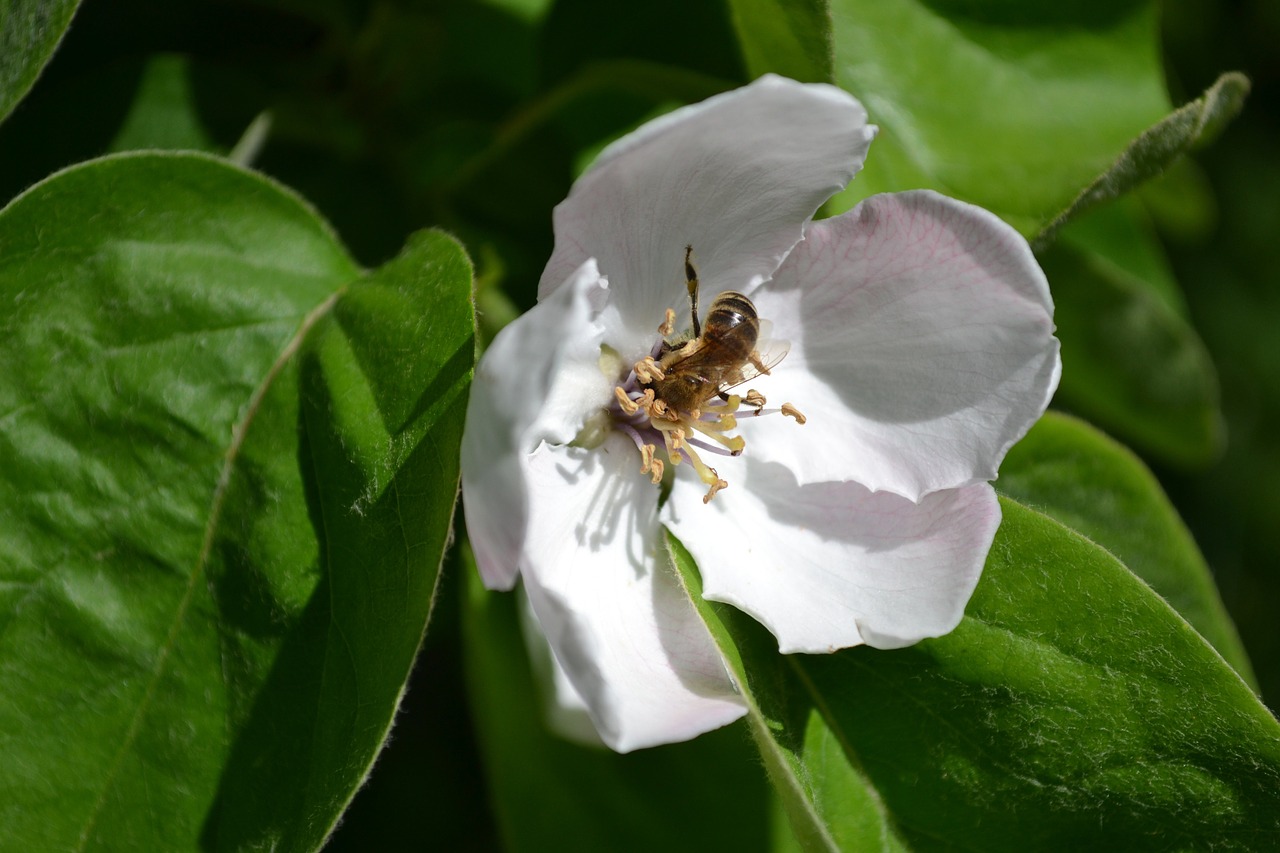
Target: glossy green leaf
x=1076 y=475
x=1071 y=708
x=30 y=31
x=831 y=803
x=1013 y=105
x=1157 y=147
x=792 y=39
x=1131 y=361
x=551 y=794
x=229 y=468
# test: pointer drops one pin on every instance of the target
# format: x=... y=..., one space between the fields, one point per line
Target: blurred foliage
x=1230 y=273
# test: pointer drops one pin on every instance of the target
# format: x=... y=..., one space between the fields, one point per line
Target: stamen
x=669 y=324
x=625 y=403
x=706 y=473
x=715 y=487
x=707 y=447
x=704 y=426
x=649 y=465
x=735 y=443
x=647 y=370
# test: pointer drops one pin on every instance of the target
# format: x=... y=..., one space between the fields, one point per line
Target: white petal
x=922 y=346
x=538 y=381
x=565 y=709
x=830 y=565
x=604 y=594
x=736 y=177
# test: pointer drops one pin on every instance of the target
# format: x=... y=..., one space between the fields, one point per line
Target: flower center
x=677 y=398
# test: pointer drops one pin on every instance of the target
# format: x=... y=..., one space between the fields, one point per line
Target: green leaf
x=163 y=114
x=1013 y=105
x=227 y=470
x=384 y=380
x=1191 y=125
x=551 y=794
x=1079 y=477
x=1071 y=708
x=30 y=31
x=831 y=802
x=791 y=39
x=1131 y=360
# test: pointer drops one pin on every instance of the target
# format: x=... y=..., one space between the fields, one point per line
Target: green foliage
x=1078 y=477
x=29 y=34
x=1156 y=147
x=1039 y=97
x=229 y=471
x=1138 y=366
x=1071 y=707
x=791 y=39
x=228 y=454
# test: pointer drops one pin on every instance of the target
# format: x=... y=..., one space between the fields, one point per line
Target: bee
x=724 y=351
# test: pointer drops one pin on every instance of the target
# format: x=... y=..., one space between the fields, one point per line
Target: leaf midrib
x=239 y=436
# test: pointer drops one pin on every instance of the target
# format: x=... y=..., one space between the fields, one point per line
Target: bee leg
x=691 y=284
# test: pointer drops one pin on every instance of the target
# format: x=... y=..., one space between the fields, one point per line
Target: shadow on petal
x=619 y=505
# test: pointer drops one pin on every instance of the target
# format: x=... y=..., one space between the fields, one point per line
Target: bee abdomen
x=730 y=310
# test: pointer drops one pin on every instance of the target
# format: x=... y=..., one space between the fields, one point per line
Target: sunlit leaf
x=792 y=39
x=229 y=467
x=1013 y=106
x=1076 y=475
x=1071 y=708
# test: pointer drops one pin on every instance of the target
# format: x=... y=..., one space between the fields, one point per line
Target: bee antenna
x=691 y=283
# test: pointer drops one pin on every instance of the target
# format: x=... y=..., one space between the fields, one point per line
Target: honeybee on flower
x=921 y=347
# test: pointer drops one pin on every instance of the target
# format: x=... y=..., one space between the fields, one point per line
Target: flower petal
x=825 y=566
x=736 y=177
x=563 y=706
x=922 y=346
x=617 y=619
x=537 y=381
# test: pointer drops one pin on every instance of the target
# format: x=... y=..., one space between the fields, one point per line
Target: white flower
x=921 y=348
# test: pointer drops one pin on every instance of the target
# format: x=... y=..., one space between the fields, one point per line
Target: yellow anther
x=647 y=370
x=669 y=324
x=650 y=465
x=625 y=403
x=792 y=412
x=715 y=487
x=754 y=398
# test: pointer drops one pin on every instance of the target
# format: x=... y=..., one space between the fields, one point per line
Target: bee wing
x=768 y=352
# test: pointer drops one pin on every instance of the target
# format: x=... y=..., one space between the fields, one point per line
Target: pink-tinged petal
x=618 y=621
x=736 y=177
x=825 y=566
x=537 y=382
x=922 y=346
